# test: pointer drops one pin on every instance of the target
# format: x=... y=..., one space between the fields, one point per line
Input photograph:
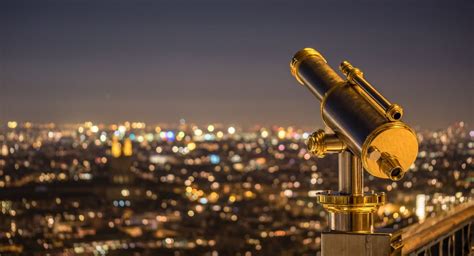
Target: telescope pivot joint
x=320 y=143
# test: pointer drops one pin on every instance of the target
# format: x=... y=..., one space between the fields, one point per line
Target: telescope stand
x=362 y=120
x=351 y=221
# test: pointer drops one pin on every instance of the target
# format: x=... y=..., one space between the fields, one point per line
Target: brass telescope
x=367 y=133
x=362 y=119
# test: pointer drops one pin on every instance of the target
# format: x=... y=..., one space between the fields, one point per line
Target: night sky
x=228 y=61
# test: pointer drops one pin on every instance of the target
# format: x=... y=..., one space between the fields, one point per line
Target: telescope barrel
x=314 y=72
x=359 y=115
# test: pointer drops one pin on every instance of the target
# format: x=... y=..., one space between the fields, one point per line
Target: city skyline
x=211 y=190
x=215 y=62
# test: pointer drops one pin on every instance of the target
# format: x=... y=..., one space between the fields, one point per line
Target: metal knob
x=320 y=143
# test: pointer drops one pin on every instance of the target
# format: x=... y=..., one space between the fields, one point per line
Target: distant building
x=121 y=162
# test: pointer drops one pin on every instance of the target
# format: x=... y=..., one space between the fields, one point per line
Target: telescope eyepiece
x=388 y=164
x=396 y=173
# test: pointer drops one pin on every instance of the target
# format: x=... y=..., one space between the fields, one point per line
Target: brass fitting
x=391 y=166
x=336 y=202
x=319 y=143
x=394 y=112
x=388 y=164
x=351 y=213
x=350 y=71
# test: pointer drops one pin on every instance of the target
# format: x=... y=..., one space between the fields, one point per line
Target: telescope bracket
x=350 y=208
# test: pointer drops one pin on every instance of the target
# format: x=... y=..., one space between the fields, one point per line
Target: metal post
x=351 y=184
x=351 y=216
x=351 y=175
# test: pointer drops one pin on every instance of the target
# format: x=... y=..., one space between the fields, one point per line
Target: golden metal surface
x=367 y=133
x=351 y=174
x=351 y=213
x=336 y=202
x=349 y=71
x=395 y=140
x=393 y=112
x=319 y=143
x=353 y=222
x=351 y=115
x=432 y=229
x=299 y=57
x=324 y=99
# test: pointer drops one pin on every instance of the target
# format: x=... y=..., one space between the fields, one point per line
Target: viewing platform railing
x=445 y=235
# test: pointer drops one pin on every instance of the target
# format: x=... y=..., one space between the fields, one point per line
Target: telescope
x=367 y=133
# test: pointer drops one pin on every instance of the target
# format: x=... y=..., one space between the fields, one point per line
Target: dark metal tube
x=369 y=89
x=314 y=73
x=351 y=179
x=325 y=79
x=351 y=115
